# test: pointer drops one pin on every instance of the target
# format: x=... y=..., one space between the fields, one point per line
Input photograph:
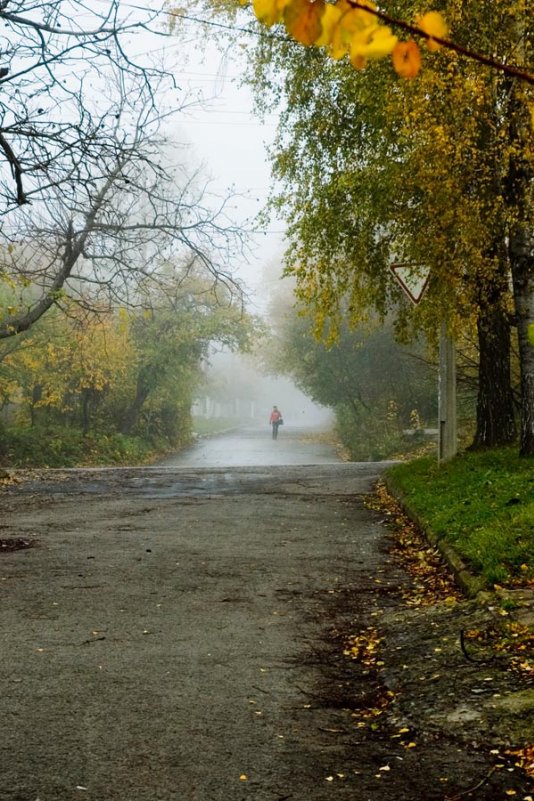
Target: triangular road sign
x=413 y=278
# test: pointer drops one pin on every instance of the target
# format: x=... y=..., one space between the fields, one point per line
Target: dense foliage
x=437 y=171
x=117 y=385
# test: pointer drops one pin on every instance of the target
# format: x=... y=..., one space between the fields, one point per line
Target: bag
x=280 y=421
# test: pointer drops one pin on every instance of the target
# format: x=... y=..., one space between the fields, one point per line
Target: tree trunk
x=86 y=415
x=37 y=394
x=520 y=201
x=522 y=259
x=141 y=394
x=495 y=402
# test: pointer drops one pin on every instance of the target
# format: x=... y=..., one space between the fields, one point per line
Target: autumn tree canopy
x=436 y=170
x=115 y=379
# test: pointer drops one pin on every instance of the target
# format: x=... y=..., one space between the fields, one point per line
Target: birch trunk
x=520 y=198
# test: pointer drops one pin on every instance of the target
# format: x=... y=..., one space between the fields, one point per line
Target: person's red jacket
x=276 y=415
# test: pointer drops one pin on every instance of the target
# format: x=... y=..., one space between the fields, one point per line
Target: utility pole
x=447 y=435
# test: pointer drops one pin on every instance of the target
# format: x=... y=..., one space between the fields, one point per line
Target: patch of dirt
x=401 y=693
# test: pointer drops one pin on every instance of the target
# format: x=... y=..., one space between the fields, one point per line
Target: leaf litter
x=431 y=585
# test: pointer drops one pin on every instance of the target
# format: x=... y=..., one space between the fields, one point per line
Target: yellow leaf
x=433 y=24
x=329 y=20
x=372 y=43
x=350 y=23
x=407 y=59
x=303 y=20
x=269 y=11
x=365 y=17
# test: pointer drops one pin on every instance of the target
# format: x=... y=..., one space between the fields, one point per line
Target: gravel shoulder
x=179 y=634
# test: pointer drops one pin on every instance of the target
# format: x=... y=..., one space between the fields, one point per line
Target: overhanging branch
x=414 y=30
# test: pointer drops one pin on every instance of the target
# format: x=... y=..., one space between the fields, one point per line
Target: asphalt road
x=253 y=446
x=177 y=634
x=151 y=640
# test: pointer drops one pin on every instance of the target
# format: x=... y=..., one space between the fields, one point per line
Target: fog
x=235 y=388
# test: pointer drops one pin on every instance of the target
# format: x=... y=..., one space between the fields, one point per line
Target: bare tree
x=90 y=202
x=55 y=56
x=116 y=225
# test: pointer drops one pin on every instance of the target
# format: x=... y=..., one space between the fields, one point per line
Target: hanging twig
x=15 y=166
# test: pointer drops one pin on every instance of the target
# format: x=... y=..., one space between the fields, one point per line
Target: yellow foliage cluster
x=353 y=29
x=67 y=358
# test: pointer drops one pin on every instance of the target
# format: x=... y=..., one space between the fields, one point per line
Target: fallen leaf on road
x=524 y=758
x=432 y=581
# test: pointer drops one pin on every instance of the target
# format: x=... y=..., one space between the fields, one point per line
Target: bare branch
x=15 y=166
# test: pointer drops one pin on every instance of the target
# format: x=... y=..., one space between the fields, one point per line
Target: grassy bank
x=482 y=504
x=58 y=446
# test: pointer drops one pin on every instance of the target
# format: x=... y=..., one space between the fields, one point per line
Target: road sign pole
x=447 y=443
x=414 y=278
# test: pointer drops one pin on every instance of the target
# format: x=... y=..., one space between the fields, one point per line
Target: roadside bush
x=61 y=446
x=366 y=435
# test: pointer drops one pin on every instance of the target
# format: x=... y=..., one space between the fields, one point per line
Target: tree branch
x=16 y=168
x=83 y=34
x=73 y=249
x=507 y=69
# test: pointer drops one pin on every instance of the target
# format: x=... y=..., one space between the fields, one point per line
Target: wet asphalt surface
x=250 y=446
x=176 y=632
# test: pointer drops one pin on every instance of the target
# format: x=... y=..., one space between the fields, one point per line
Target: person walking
x=276 y=420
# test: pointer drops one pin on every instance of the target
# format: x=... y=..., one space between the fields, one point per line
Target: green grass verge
x=57 y=446
x=482 y=504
